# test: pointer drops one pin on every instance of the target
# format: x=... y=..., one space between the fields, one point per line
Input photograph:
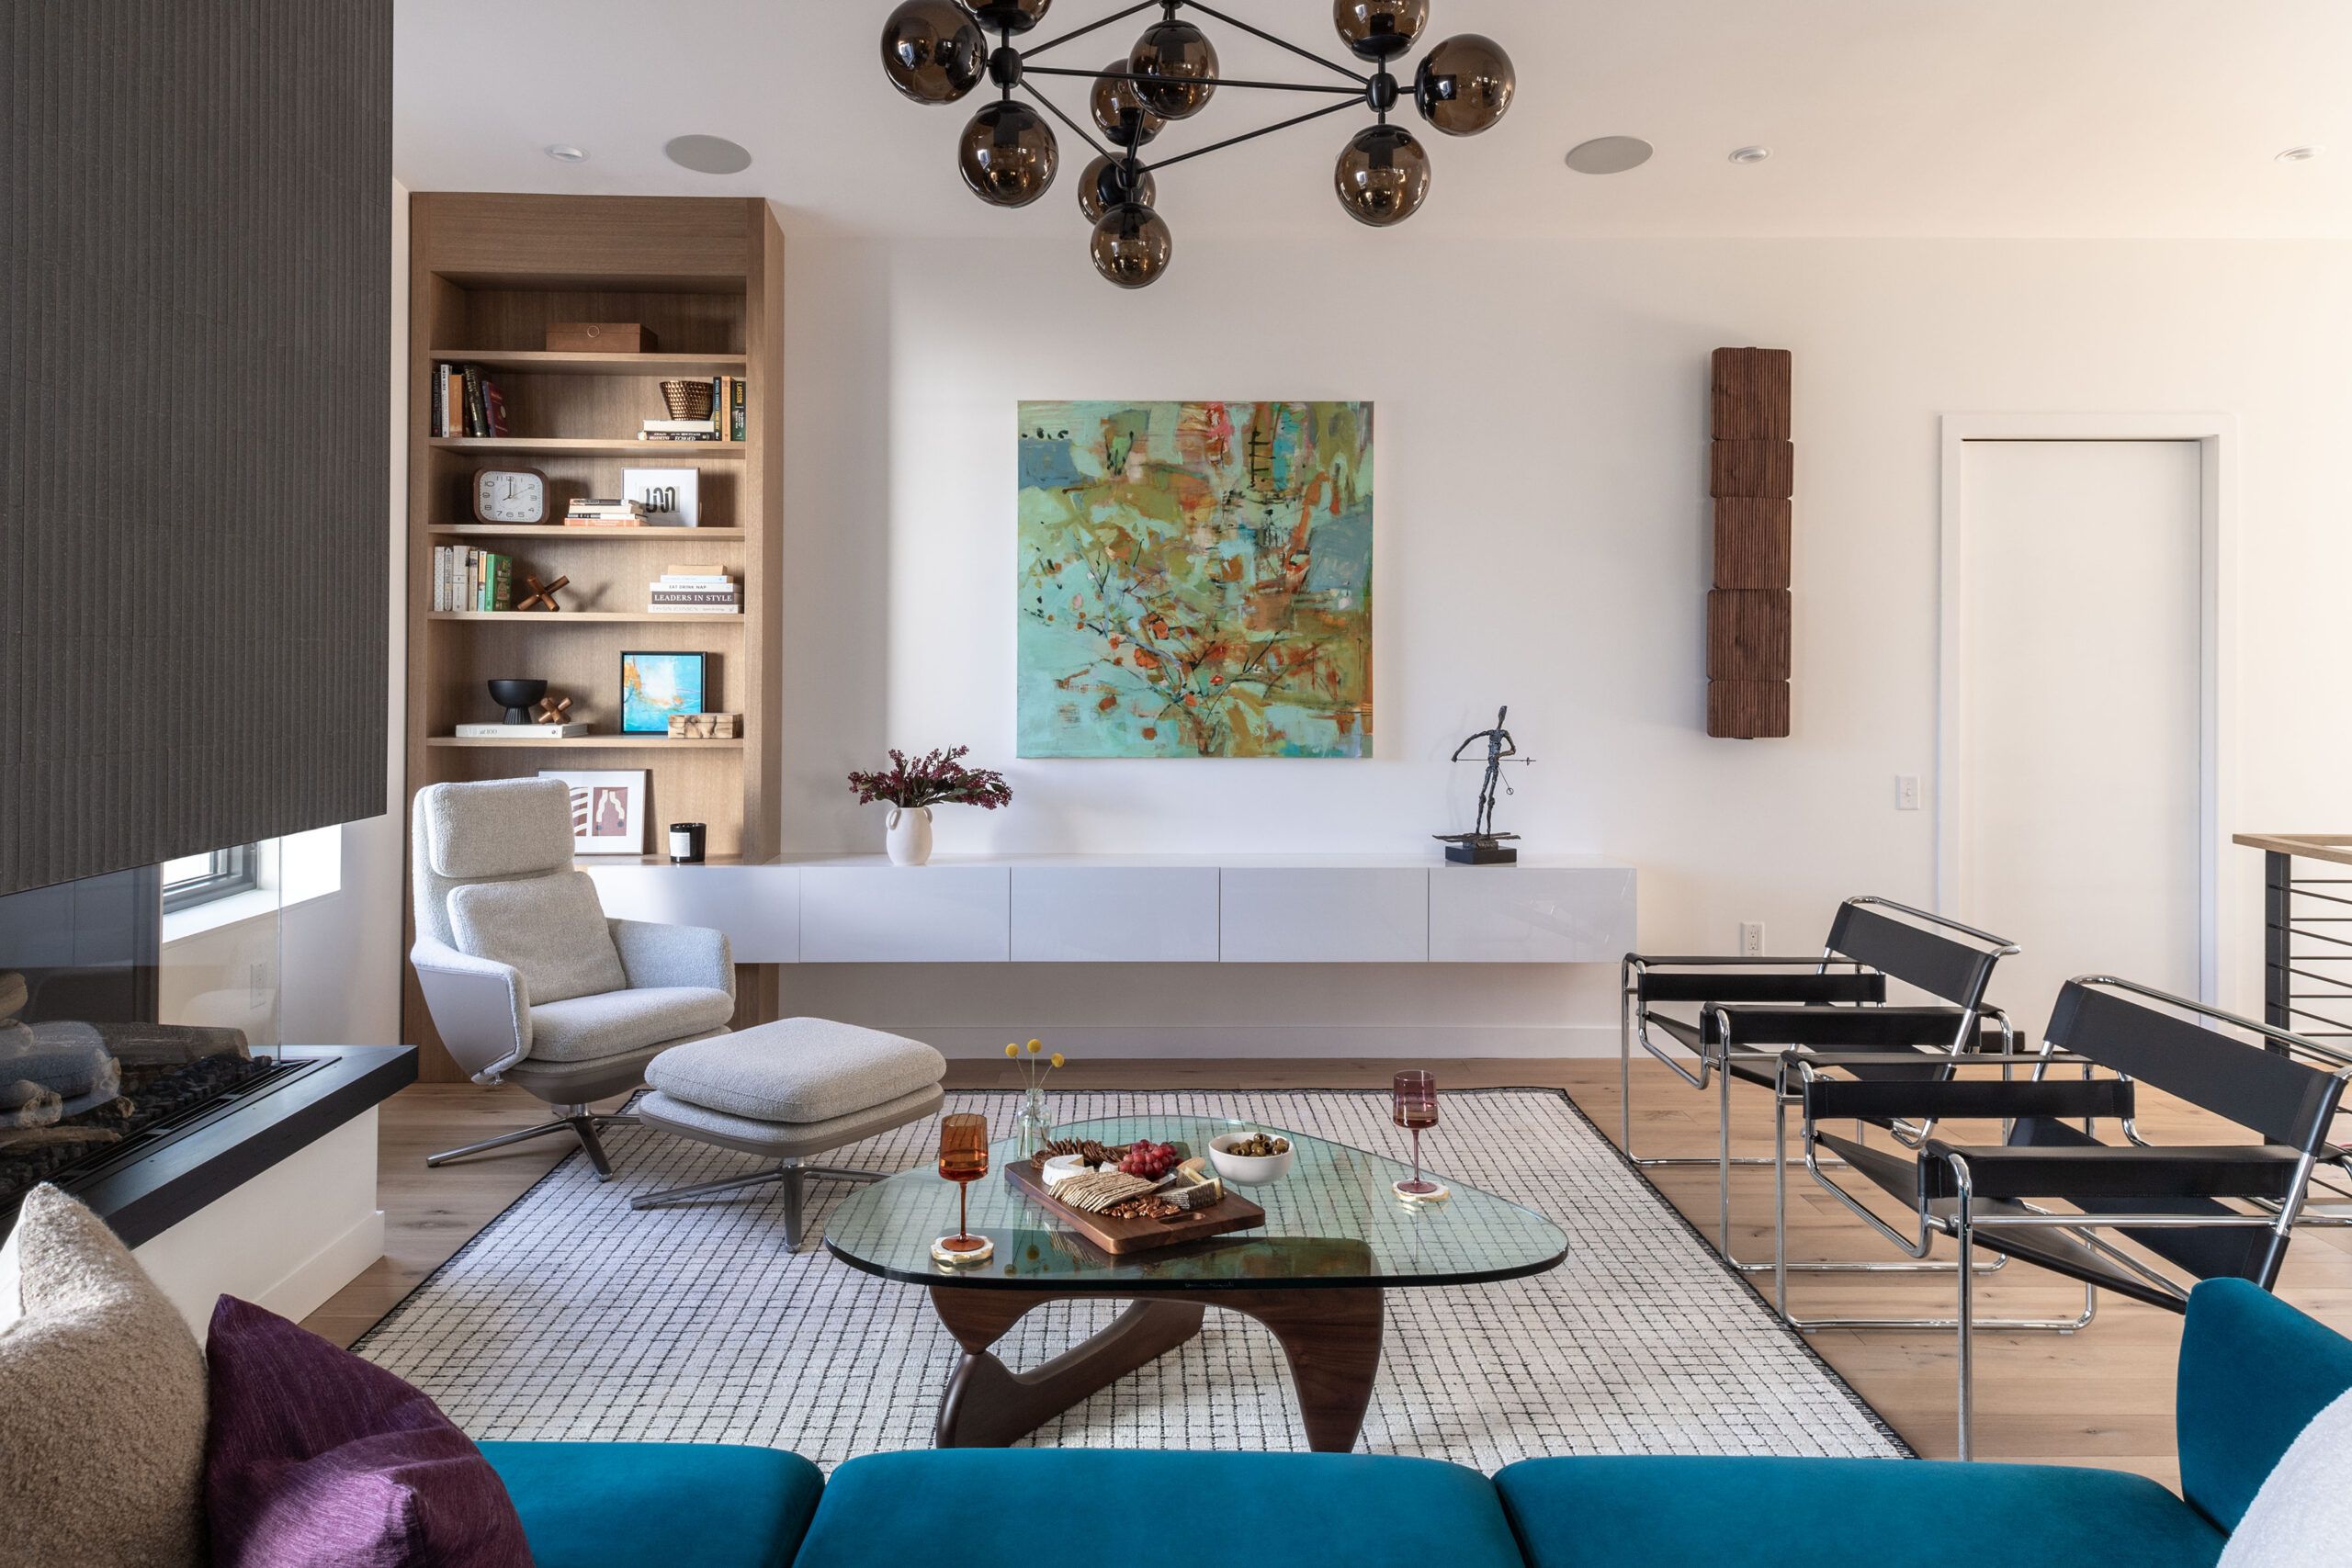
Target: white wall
x=342 y=952
x=1542 y=541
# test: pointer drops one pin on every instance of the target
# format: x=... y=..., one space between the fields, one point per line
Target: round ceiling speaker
x=708 y=155
x=1609 y=154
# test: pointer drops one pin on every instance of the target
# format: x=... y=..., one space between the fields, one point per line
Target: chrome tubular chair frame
x=1921 y=948
x=1993 y=1196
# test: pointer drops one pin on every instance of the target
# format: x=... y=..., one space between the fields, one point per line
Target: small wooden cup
x=687 y=400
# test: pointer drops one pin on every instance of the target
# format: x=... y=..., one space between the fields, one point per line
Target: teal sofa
x=2253 y=1372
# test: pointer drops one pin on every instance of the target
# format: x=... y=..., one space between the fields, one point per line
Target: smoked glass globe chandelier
x=937 y=51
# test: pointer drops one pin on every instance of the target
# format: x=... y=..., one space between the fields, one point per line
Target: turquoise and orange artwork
x=1196 y=580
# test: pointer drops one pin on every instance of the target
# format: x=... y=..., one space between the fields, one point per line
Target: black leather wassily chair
x=1715 y=1021
x=2187 y=1211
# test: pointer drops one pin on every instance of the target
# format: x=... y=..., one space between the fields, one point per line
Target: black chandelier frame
x=1009 y=70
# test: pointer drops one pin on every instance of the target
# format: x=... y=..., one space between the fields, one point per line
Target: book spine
x=741 y=422
x=502 y=593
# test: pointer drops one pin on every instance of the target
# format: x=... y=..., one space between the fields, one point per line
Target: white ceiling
x=1986 y=118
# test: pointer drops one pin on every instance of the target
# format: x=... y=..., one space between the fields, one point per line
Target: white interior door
x=2080 y=596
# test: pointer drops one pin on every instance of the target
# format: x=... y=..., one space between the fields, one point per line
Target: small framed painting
x=655 y=686
x=608 y=809
x=672 y=497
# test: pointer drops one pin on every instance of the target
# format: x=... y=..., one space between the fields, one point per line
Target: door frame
x=2217 y=437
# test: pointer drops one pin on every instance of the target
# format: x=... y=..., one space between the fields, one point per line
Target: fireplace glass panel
x=123 y=1025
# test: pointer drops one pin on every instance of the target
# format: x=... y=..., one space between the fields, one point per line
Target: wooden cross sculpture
x=552 y=709
x=542 y=593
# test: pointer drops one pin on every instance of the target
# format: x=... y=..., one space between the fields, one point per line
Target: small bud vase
x=907 y=835
x=1034 y=1128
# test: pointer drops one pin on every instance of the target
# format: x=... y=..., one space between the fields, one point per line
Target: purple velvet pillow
x=315 y=1459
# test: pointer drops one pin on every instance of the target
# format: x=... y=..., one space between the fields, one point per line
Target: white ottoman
x=784 y=1091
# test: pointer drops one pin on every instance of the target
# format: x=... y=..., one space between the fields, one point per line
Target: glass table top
x=1331 y=1220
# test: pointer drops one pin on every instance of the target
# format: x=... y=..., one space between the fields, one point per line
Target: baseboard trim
x=1188 y=1043
x=313 y=1282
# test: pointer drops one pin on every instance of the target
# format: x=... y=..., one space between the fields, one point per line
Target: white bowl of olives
x=1250 y=1160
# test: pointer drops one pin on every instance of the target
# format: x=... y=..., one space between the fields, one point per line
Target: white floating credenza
x=1114 y=909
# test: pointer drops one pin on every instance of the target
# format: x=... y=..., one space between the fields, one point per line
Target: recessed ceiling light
x=1609 y=154
x=2300 y=154
x=708 y=155
x=1750 y=155
x=563 y=153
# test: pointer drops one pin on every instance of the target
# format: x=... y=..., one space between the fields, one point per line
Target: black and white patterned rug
x=573 y=1317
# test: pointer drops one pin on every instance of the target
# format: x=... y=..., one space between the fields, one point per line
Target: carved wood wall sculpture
x=1752 y=475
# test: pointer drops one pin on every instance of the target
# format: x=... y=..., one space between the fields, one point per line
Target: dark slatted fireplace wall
x=195 y=240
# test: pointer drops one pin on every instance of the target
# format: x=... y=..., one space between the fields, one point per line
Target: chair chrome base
x=577 y=1120
x=791 y=1175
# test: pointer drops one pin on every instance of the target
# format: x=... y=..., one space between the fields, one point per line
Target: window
x=200 y=879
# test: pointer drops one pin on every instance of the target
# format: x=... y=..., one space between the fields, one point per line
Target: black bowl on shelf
x=516 y=698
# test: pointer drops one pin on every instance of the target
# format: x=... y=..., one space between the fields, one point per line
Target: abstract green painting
x=1196 y=580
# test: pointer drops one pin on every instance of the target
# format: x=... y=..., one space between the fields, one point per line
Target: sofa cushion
x=317 y=1459
x=101 y=1403
x=2304 y=1513
x=657 y=1505
x=796 y=1069
x=2254 y=1371
x=1846 y=1512
x=498 y=828
x=587 y=1028
x=1126 y=1505
x=552 y=929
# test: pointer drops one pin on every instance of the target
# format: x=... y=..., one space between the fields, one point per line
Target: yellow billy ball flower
x=1012 y=1050
x=1036 y=1046
x=1055 y=1059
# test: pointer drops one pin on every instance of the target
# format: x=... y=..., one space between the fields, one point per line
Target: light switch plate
x=1907 y=792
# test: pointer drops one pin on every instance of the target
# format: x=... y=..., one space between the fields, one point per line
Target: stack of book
x=584 y=513
x=695 y=591
x=730 y=417
x=465 y=579
x=467 y=402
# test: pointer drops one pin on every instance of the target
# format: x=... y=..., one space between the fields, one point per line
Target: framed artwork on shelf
x=1195 y=579
x=655 y=686
x=672 y=497
x=608 y=814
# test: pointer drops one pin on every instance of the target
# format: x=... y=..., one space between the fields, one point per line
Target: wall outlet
x=257 y=986
x=1751 y=939
x=1907 y=792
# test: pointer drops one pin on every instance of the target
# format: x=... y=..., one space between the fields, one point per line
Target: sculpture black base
x=1481 y=854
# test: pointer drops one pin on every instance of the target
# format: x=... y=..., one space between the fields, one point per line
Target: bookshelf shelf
x=590 y=742
x=559 y=531
x=593 y=446
x=548 y=621
x=538 y=362
x=705 y=275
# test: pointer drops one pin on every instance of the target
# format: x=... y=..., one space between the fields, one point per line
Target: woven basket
x=687 y=400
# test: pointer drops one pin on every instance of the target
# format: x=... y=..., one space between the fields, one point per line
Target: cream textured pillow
x=550 y=928
x=101 y=1404
x=2302 y=1515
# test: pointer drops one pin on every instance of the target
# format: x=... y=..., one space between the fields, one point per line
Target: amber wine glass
x=963 y=1160
x=1413 y=1106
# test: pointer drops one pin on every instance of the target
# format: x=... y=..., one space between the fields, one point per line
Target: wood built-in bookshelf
x=487 y=276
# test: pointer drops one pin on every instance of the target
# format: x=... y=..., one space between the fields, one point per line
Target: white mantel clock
x=510 y=495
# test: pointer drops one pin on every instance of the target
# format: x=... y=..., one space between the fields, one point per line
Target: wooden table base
x=1331 y=1339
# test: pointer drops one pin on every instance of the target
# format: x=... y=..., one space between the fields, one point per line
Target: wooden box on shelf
x=600 y=337
x=703 y=726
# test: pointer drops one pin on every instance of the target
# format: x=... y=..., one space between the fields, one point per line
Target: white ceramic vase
x=908 y=835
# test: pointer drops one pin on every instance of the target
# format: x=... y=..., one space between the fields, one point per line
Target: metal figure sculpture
x=1484 y=846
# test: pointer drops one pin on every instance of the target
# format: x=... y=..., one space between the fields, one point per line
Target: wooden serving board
x=1230 y=1212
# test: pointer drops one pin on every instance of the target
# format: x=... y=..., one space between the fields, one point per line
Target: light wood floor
x=2102 y=1396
